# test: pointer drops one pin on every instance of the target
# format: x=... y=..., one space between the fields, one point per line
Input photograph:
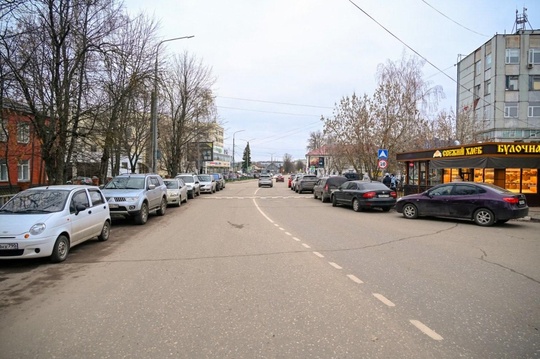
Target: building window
x=23 y=169
x=512 y=56
x=534 y=83
x=487 y=87
x=510 y=110
x=534 y=111
x=488 y=61
x=534 y=56
x=3 y=171
x=512 y=82
x=23 y=132
x=3 y=131
x=478 y=67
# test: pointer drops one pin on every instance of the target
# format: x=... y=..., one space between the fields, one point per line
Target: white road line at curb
x=318 y=254
x=335 y=265
x=354 y=278
x=264 y=215
x=383 y=299
x=424 y=329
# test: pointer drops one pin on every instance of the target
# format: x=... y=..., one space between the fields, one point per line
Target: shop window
x=478 y=175
x=512 y=82
x=512 y=56
x=451 y=174
x=529 y=183
x=434 y=177
x=513 y=179
x=489 y=175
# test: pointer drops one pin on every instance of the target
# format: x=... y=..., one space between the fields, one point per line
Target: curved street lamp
x=153 y=107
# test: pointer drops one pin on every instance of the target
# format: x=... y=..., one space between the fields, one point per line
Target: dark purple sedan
x=483 y=203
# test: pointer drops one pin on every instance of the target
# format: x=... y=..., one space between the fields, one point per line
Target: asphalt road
x=266 y=273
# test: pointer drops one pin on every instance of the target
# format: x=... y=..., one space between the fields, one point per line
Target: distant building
x=499 y=86
x=21 y=165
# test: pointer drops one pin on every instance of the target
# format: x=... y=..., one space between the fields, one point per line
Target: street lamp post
x=153 y=108
x=234 y=170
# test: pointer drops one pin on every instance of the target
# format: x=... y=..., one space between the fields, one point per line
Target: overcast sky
x=282 y=64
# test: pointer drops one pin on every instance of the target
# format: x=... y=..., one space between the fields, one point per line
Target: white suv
x=135 y=195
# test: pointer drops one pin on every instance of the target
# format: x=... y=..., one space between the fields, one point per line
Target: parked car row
x=48 y=221
x=483 y=203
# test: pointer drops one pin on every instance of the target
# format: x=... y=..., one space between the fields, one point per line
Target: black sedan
x=361 y=195
x=483 y=203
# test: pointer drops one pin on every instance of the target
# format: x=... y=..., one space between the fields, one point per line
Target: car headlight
x=37 y=228
x=174 y=194
x=132 y=199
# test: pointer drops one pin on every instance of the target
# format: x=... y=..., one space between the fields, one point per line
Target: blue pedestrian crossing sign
x=383 y=153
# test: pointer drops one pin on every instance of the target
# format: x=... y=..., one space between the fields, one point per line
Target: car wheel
x=192 y=195
x=484 y=217
x=322 y=198
x=162 y=207
x=179 y=202
x=356 y=205
x=314 y=195
x=410 y=211
x=105 y=232
x=60 y=250
x=142 y=217
x=334 y=202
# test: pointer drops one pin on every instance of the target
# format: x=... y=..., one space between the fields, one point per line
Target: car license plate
x=9 y=246
x=384 y=195
x=113 y=205
x=521 y=202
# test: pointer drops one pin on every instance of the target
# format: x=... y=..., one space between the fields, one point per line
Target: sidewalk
x=534 y=214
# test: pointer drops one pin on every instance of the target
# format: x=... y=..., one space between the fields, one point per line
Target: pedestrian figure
x=387 y=181
x=393 y=182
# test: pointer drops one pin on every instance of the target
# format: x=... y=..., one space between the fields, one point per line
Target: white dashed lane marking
x=426 y=330
x=354 y=278
x=383 y=299
x=318 y=254
x=335 y=265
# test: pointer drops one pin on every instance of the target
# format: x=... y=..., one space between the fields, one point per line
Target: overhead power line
x=455 y=22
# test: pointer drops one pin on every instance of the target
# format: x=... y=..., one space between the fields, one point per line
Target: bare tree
x=127 y=75
x=51 y=49
x=316 y=140
x=188 y=109
x=288 y=165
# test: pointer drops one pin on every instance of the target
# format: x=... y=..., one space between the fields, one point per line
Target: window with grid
x=534 y=56
x=23 y=132
x=23 y=169
x=512 y=82
x=510 y=110
x=534 y=110
x=512 y=56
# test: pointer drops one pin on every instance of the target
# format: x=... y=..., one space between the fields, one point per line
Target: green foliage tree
x=246 y=159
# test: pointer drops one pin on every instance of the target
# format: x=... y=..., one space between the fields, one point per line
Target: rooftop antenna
x=521 y=21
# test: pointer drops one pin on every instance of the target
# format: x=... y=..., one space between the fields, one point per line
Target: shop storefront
x=513 y=166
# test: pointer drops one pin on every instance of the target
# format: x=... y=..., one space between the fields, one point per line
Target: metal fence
x=4 y=198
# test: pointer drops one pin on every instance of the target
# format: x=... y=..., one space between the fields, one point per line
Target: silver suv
x=135 y=195
x=192 y=182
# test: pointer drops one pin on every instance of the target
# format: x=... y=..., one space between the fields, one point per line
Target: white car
x=177 y=191
x=207 y=183
x=192 y=183
x=48 y=221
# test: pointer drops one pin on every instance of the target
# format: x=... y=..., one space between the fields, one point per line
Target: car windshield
x=126 y=183
x=37 y=201
x=187 y=179
x=205 y=178
x=374 y=186
x=171 y=184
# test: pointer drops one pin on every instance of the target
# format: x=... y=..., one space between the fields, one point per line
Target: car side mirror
x=79 y=208
x=151 y=186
